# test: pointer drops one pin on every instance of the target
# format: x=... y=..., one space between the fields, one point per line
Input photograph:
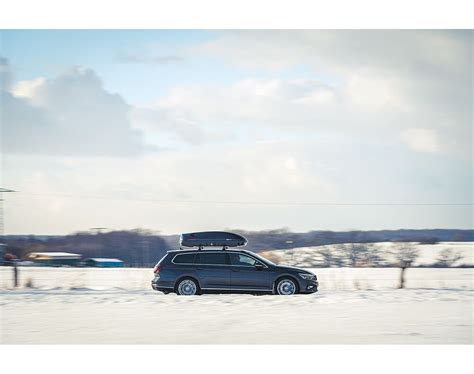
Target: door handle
x=235 y=270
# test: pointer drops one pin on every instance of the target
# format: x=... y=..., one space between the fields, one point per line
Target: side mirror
x=258 y=266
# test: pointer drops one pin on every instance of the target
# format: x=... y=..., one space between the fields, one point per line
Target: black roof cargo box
x=211 y=239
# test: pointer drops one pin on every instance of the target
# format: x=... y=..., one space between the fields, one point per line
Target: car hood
x=293 y=268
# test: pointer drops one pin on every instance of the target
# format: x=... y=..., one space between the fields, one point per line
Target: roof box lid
x=212 y=239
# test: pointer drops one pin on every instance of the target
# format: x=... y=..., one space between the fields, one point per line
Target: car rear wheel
x=187 y=287
x=285 y=286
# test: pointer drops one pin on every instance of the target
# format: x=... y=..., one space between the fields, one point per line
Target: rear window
x=187 y=258
x=211 y=259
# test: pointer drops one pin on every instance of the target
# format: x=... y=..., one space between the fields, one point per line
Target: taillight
x=156 y=269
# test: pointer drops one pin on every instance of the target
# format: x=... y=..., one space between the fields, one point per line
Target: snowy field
x=331 y=279
x=354 y=306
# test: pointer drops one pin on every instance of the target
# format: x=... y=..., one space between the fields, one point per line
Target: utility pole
x=2 y=228
x=2 y=224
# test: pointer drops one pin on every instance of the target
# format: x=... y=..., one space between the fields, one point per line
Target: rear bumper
x=160 y=288
x=160 y=285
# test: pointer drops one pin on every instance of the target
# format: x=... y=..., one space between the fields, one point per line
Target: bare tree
x=448 y=257
x=352 y=253
x=360 y=254
x=405 y=254
x=330 y=257
x=371 y=255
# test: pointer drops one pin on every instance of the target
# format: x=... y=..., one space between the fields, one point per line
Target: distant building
x=104 y=262
x=55 y=258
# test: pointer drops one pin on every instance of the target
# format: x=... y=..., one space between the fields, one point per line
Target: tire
x=286 y=286
x=187 y=287
x=166 y=292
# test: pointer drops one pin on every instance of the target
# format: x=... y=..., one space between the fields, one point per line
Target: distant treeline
x=281 y=239
x=143 y=248
x=134 y=247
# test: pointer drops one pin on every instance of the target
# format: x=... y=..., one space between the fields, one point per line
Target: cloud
x=375 y=85
x=246 y=111
x=150 y=60
x=28 y=89
x=383 y=82
x=344 y=51
x=265 y=109
x=421 y=140
x=375 y=93
x=71 y=114
x=250 y=102
x=166 y=121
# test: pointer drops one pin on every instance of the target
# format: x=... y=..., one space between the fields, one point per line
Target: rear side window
x=187 y=258
x=211 y=259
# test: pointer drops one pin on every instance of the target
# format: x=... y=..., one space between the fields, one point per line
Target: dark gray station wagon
x=192 y=272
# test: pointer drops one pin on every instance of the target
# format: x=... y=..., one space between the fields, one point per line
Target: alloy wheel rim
x=187 y=288
x=286 y=287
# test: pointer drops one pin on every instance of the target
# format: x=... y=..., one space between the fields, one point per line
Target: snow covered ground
x=44 y=278
x=354 y=306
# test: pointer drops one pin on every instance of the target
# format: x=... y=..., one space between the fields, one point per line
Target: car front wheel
x=285 y=286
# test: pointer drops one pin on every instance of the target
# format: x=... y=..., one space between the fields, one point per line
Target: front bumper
x=309 y=287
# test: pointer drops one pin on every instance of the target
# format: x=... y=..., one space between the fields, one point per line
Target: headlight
x=307 y=276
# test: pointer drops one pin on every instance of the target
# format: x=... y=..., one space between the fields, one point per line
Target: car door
x=248 y=273
x=213 y=270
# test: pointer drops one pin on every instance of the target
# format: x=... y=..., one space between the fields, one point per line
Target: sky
x=183 y=130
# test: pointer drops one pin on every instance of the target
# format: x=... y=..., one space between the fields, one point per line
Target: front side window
x=239 y=259
x=211 y=259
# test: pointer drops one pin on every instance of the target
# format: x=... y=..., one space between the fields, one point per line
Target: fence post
x=15 y=274
x=403 y=266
